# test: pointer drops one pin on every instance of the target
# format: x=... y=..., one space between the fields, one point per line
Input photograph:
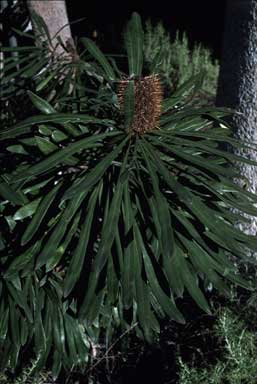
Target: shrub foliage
x=177 y=62
x=107 y=219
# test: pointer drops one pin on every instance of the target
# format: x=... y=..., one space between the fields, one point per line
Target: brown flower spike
x=148 y=96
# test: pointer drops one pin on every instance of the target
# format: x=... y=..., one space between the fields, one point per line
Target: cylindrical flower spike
x=148 y=96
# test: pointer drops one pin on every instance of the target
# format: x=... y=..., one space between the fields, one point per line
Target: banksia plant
x=112 y=214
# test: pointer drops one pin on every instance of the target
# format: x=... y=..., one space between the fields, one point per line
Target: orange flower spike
x=148 y=95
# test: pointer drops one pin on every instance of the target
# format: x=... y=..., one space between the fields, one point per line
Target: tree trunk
x=12 y=41
x=55 y=16
x=237 y=86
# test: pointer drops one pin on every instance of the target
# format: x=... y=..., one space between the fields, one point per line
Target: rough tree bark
x=237 y=86
x=55 y=17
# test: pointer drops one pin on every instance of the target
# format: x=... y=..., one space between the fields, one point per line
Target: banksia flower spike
x=148 y=96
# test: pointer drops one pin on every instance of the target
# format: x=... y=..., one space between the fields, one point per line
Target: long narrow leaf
x=78 y=257
x=129 y=104
x=167 y=303
x=48 y=253
x=97 y=172
x=99 y=56
x=57 y=118
x=60 y=156
x=134 y=38
x=41 y=104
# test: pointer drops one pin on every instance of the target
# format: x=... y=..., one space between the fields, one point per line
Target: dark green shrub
x=236 y=358
x=177 y=63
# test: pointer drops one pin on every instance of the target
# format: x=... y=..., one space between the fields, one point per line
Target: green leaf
x=27 y=210
x=109 y=229
x=104 y=252
x=142 y=295
x=167 y=303
x=217 y=136
x=134 y=39
x=18 y=73
x=161 y=206
x=176 y=281
x=192 y=84
x=40 y=214
x=35 y=68
x=42 y=84
x=11 y=222
x=203 y=264
x=9 y=194
x=57 y=118
x=208 y=217
x=57 y=364
x=112 y=285
x=41 y=104
x=4 y=318
x=191 y=112
x=14 y=324
x=129 y=104
x=16 y=281
x=45 y=145
x=60 y=156
x=58 y=331
x=96 y=173
x=39 y=334
x=156 y=62
x=48 y=252
x=40 y=26
x=128 y=278
x=99 y=56
x=57 y=255
x=20 y=300
x=24 y=331
x=197 y=161
x=44 y=130
x=58 y=136
x=2 y=246
x=14 y=355
x=21 y=261
x=90 y=313
x=81 y=341
x=79 y=254
x=206 y=146
x=108 y=233
x=232 y=237
x=225 y=268
x=189 y=278
x=70 y=324
x=20 y=49
x=17 y=148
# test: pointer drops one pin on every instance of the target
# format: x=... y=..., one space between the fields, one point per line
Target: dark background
x=202 y=20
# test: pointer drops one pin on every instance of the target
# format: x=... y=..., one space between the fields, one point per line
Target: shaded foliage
x=106 y=226
x=178 y=62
